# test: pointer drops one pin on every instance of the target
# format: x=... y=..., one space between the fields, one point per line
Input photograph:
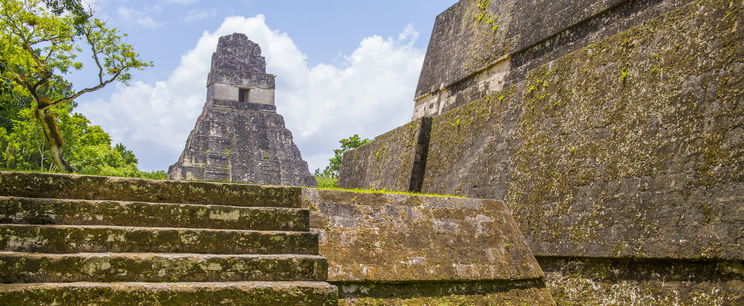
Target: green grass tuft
x=326 y=182
x=389 y=191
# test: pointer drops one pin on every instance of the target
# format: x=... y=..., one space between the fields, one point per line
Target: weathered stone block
x=261 y=96
x=446 y=293
x=403 y=247
x=79 y=240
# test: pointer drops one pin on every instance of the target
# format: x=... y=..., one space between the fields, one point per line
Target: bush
x=326 y=182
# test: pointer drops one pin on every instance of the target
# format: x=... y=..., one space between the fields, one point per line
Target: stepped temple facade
x=239 y=137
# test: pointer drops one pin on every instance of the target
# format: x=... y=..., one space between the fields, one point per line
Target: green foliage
x=22 y=146
x=126 y=154
x=325 y=182
x=11 y=102
x=484 y=4
x=624 y=74
x=40 y=41
x=74 y=7
x=88 y=147
x=334 y=166
x=483 y=14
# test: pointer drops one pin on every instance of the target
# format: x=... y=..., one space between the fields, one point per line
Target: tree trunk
x=53 y=136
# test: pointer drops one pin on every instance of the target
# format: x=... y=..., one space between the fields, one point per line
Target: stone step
x=87 y=187
x=103 y=212
x=93 y=239
x=201 y=293
x=17 y=267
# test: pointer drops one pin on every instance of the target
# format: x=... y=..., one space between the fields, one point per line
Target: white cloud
x=196 y=15
x=148 y=22
x=138 y=17
x=183 y=2
x=126 y=13
x=369 y=93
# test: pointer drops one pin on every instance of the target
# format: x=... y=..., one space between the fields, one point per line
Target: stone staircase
x=71 y=240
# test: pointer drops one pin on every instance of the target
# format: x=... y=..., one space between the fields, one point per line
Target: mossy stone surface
x=19 y=210
x=628 y=147
x=17 y=267
x=206 y=294
x=627 y=281
x=65 y=186
x=88 y=240
x=385 y=163
x=530 y=296
x=396 y=237
x=118 y=239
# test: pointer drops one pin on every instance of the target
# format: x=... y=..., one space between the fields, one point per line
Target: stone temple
x=239 y=136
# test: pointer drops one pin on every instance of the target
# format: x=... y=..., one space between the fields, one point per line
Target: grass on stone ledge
x=328 y=183
x=393 y=192
x=324 y=183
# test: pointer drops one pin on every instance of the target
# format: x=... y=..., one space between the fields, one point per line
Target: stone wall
x=392 y=161
x=628 y=148
x=643 y=281
x=399 y=249
x=479 y=46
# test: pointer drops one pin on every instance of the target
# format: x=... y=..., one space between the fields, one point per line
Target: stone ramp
x=403 y=249
x=75 y=240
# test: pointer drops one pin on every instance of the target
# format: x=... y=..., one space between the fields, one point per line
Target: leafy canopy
x=88 y=147
x=41 y=40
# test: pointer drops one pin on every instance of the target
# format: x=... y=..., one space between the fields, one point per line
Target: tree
x=334 y=165
x=74 y=7
x=40 y=42
x=88 y=148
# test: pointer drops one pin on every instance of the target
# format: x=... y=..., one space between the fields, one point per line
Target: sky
x=344 y=67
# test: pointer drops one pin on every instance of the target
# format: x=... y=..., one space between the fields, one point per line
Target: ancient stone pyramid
x=239 y=137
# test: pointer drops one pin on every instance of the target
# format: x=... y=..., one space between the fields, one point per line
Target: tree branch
x=23 y=80
x=87 y=90
x=26 y=44
x=95 y=55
